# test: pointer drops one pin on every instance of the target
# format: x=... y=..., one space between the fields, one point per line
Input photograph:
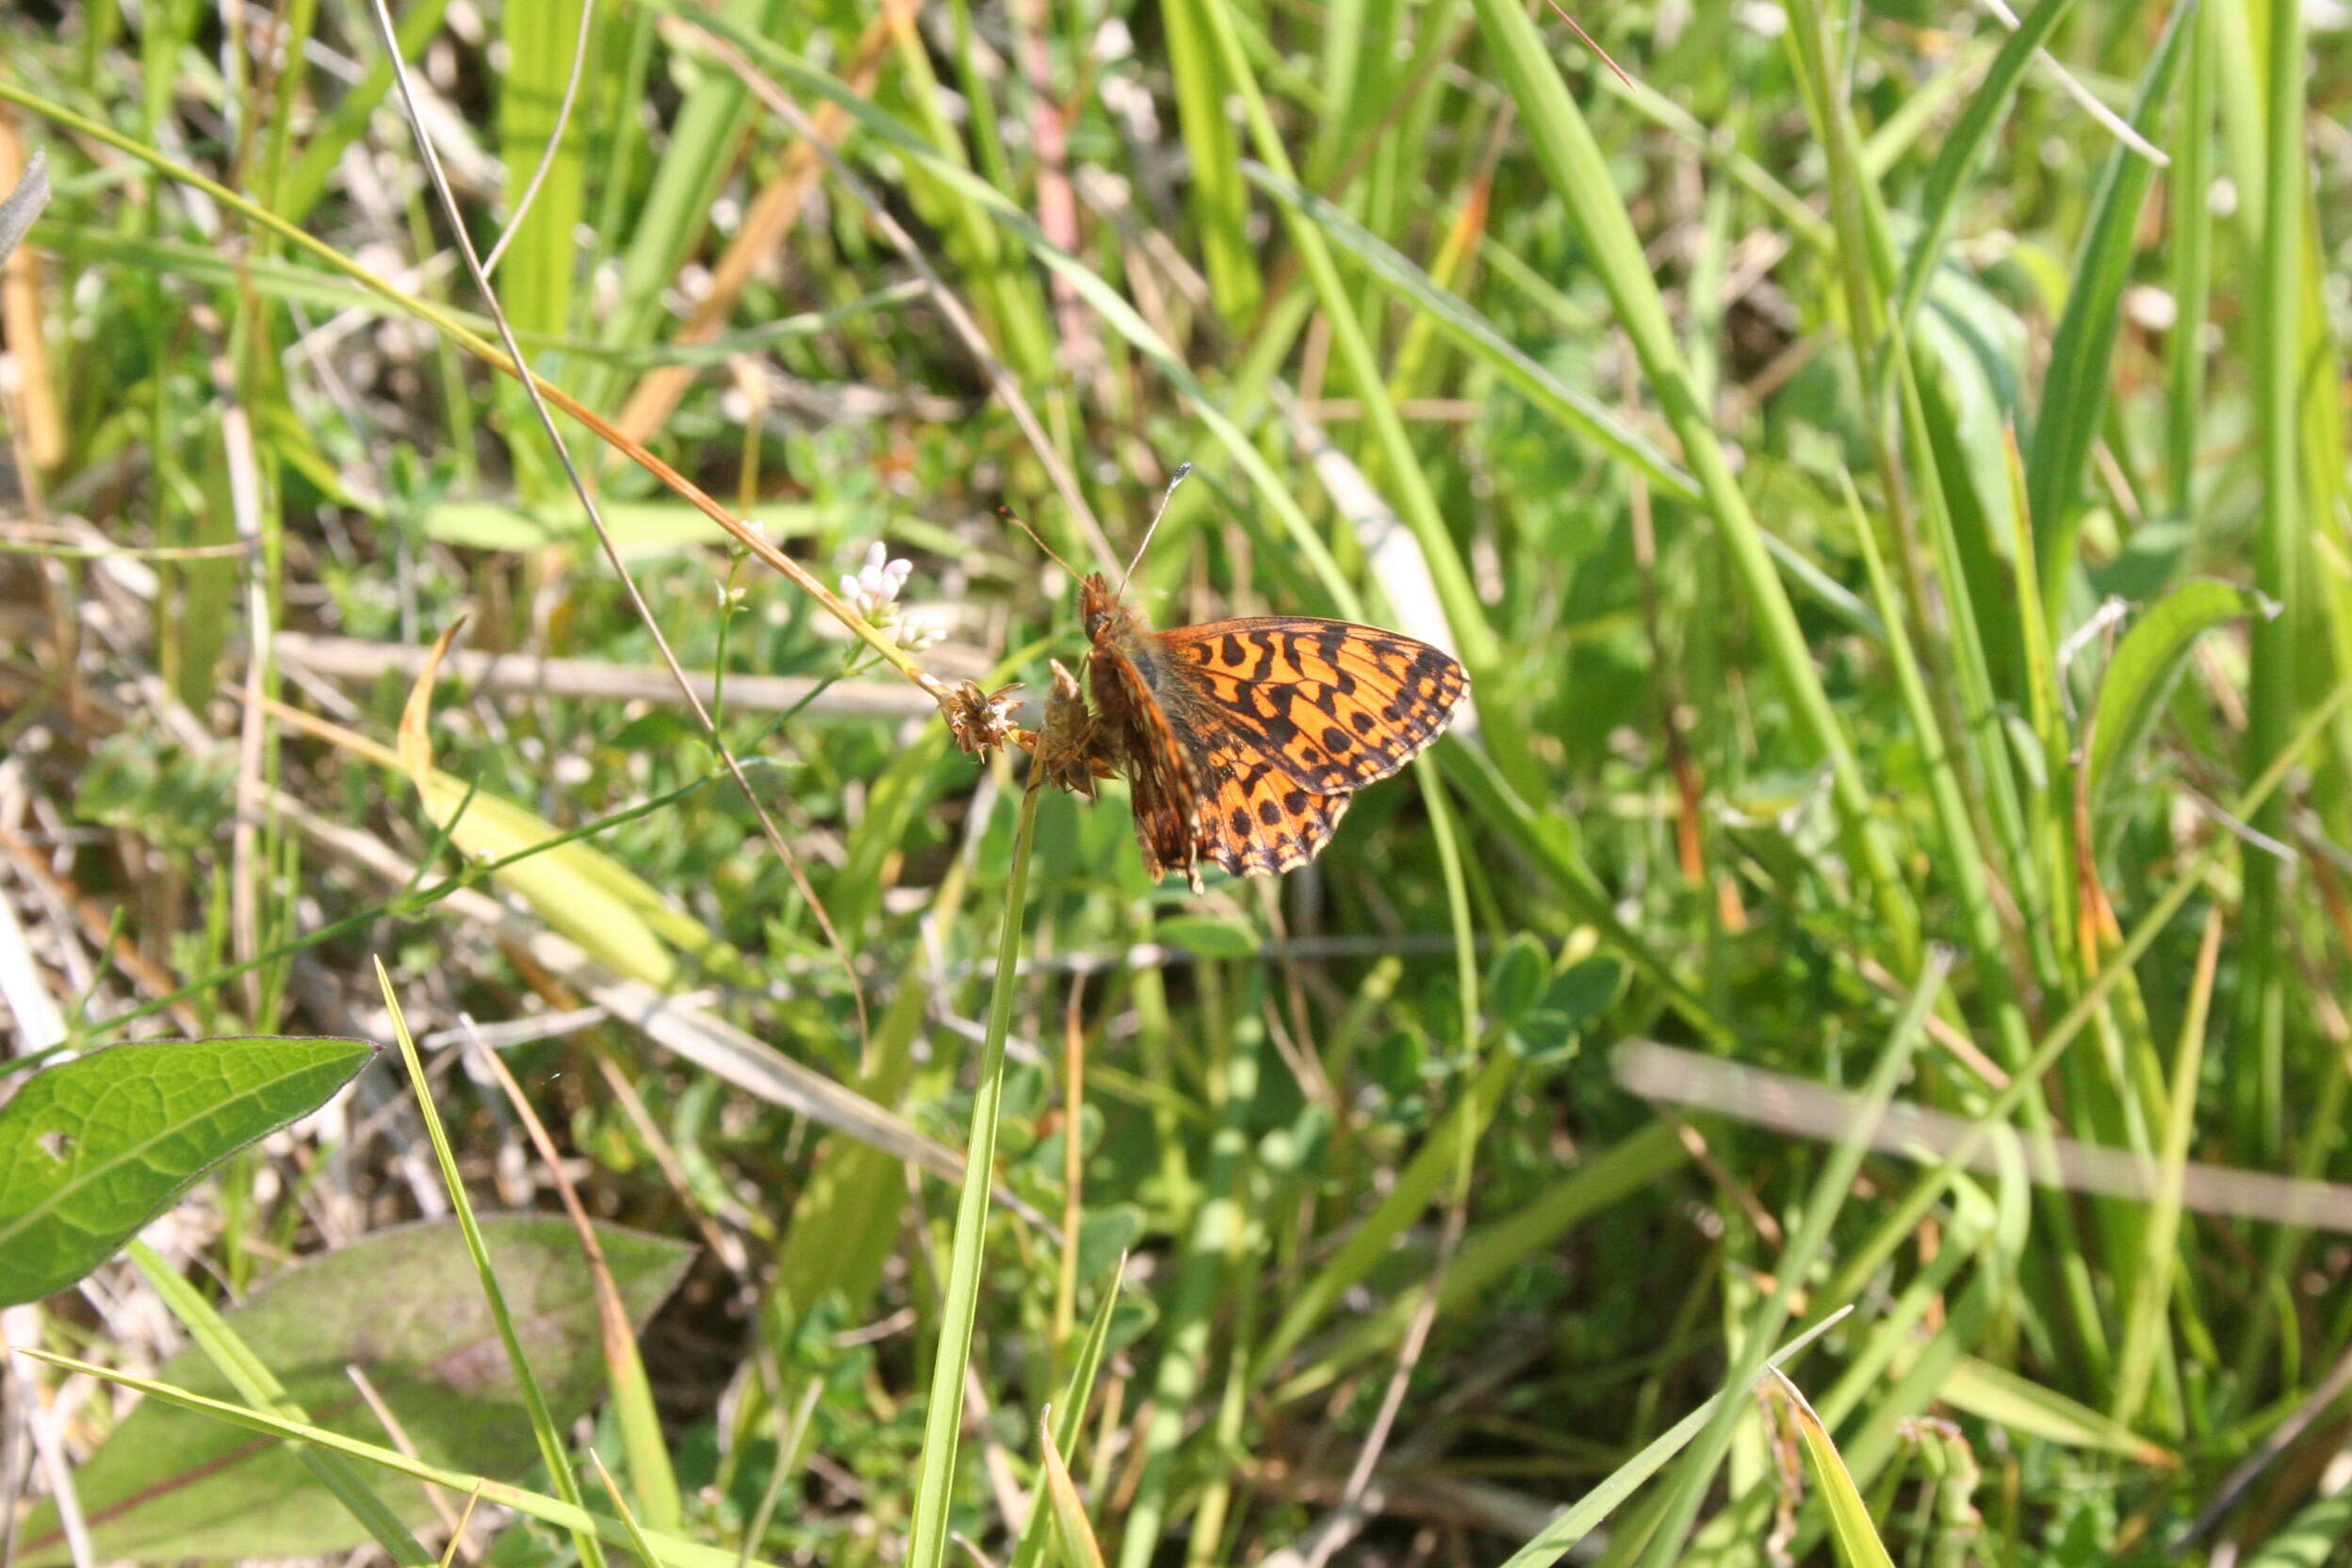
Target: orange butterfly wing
x=1335 y=705
x=1243 y=741
x=1256 y=820
x=1165 y=780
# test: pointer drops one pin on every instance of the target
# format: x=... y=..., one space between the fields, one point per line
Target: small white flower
x=873 y=590
x=915 y=636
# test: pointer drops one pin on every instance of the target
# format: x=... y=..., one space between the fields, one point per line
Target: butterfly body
x=1244 y=741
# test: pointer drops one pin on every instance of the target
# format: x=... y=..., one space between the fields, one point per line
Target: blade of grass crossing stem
x=1904 y=1219
x=1849 y=1526
x=565 y=1515
x=1564 y=147
x=1558 y=1538
x=1829 y=1192
x=1073 y=1531
x=1956 y=161
x=259 y=1387
x=534 y=1403
x=1416 y=499
x=1479 y=337
x=620 y=1505
x=935 y=1481
x=1216 y=1225
x=631 y=1392
x=2144 y=1320
x=1372 y=1240
x=2272 y=686
x=1071 y=1421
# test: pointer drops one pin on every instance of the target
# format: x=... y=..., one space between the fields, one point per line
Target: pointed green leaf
x=94 y=1149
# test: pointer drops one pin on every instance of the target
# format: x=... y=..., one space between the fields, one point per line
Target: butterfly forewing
x=1337 y=704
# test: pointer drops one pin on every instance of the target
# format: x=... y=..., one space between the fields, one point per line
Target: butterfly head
x=1099 y=607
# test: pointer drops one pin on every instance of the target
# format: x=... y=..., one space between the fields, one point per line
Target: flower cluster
x=873 y=592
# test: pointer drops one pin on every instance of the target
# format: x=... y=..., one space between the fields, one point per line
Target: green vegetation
x=1883 y=471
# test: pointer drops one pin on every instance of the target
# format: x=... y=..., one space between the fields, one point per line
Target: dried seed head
x=1068 y=753
x=980 y=721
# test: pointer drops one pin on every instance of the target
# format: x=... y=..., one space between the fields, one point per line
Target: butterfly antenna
x=1015 y=519
x=1167 y=495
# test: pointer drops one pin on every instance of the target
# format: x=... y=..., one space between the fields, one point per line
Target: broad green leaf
x=91 y=1150
x=2147 y=665
x=2075 y=392
x=403 y=1307
x=1517 y=977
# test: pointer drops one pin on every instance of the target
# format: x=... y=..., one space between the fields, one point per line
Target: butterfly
x=1244 y=741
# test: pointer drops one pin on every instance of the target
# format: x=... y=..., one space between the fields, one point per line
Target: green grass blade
x=551 y=1451
x=1850 y=1528
x=935 y=1482
x=1597 y=1504
x=259 y=1387
x=2074 y=395
x=1957 y=158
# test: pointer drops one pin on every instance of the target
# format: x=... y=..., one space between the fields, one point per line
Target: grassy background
x=1887 y=482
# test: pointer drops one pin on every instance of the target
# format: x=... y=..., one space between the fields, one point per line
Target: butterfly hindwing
x=1255 y=819
x=1163 y=776
x=1335 y=705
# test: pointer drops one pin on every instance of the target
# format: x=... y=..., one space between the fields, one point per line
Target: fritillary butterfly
x=1244 y=741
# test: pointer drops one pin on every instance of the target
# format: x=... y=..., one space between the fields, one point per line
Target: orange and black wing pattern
x=1335 y=705
x=1256 y=820
x=1243 y=741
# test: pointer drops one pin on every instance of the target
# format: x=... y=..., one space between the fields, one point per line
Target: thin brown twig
x=958 y=316
x=539 y=402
